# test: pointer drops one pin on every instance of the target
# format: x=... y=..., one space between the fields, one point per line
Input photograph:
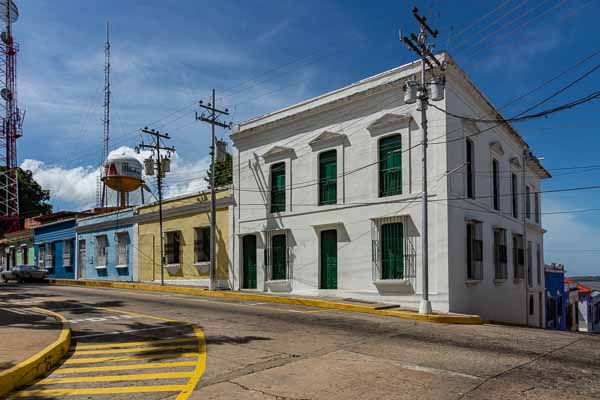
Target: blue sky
x=168 y=54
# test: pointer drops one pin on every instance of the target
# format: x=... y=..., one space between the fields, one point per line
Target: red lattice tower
x=11 y=120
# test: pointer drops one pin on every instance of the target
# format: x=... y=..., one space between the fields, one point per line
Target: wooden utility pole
x=212 y=118
x=156 y=148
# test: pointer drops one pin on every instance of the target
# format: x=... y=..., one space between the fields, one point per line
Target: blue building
x=54 y=244
x=556 y=297
x=106 y=246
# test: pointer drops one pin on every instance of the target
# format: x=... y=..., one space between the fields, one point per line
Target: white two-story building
x=327 y=201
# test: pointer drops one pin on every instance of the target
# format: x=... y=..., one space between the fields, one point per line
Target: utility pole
x=418 y=44
x=212 y=118
x=161 y=165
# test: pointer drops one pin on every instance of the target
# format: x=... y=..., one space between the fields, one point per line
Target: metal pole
x=425 y=306
x=525 y=249
x=213 y=202
x=160 y=213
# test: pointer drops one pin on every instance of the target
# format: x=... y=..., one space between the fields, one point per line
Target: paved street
x=140 y=345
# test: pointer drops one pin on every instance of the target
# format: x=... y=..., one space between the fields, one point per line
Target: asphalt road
x=142 y=345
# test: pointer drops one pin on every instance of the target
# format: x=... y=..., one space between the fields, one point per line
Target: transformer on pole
x=12 y=120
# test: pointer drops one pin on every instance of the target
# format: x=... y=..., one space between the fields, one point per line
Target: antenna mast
x=102 y=186
x=12 y=121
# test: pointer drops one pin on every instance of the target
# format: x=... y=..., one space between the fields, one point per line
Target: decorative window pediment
x=514 y=161
x=327 y=137
x=277 y=153
x=496 y=148
x=388 y=121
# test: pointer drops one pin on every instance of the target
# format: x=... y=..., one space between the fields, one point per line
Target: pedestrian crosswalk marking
x=127 y=344
x=107 y=390
x=117 y=378
x=128 y=358
x=101 y=319
x=137 y=349
x=82 y=370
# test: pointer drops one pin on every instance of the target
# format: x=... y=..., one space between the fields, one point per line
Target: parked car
x=22 y=273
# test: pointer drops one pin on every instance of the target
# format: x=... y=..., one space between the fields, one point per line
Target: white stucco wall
x=358 y=203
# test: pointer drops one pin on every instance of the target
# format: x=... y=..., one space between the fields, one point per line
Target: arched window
x=531 y=305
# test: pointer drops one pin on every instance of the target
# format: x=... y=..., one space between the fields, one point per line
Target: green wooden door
x=329 y=259
x=279 y=263
x=249 y=260
x=392 y=251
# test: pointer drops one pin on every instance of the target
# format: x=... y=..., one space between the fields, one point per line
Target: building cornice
x=183 y=210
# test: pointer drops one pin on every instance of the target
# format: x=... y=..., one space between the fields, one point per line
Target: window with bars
x=528 y=202
x=518 y=257
x=25 y=254
x=536 y=206
x=122 y=248
x=470 y=168
x=49 y=259
x=173 y=247
x=496 y=184
x=515 y=198
x=202 y=245
x=474 y=251
x=390 y=166
x=328 y=177
x=529 y=264
x=66 y=252
x=500 y=254
x=101 y=250
x=393 y=248
x=41 y=256
x=538 y=259
x=278 y=187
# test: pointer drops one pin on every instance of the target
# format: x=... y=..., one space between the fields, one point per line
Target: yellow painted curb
x=299 y=301
x=39 y=364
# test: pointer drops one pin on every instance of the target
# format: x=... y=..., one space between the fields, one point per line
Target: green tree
x=33 y=199
x=223 y=172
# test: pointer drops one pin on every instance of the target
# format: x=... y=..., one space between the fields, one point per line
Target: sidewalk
x=352 y=305
x=33 y=341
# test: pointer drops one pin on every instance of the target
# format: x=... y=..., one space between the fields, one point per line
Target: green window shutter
x=329 y=259
x=392 y=249
x=390 y=166
x=328 y=177
x=278 y=188
x=279 y=252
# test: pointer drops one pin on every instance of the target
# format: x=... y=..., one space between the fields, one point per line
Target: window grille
x=49 y=261
x=173 y=248
x=122 y=248
x=101 y=250
x=41 y=256
x=518 y=257
x=500 y=254
x=474 y=251
x=66 y=253
x=202 y=245
x=393 y=248
x=278 y=255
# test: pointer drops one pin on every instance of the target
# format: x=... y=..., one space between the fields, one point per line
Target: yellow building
x=186 y=234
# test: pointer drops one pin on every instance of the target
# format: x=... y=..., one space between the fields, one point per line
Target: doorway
x=329 y=259
x=249 y=262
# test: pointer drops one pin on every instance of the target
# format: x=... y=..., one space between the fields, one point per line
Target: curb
x=300 y=301
x=40 y=363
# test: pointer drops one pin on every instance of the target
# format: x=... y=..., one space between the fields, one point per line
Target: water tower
x=123 y=174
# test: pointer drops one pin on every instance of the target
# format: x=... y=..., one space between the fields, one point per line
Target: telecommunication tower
x=12 y=120
x=101 y=199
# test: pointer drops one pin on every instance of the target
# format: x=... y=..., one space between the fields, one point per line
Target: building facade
x=556 y=297
x=54 y=244
x=106 y=247
x=186 y=234
x=328 y=201
x=589 y=307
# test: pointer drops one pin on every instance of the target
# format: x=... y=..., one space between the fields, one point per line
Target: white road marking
x=436 y=371
x=102 y=319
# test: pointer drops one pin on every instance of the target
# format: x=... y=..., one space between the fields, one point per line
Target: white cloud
x=76 y=187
